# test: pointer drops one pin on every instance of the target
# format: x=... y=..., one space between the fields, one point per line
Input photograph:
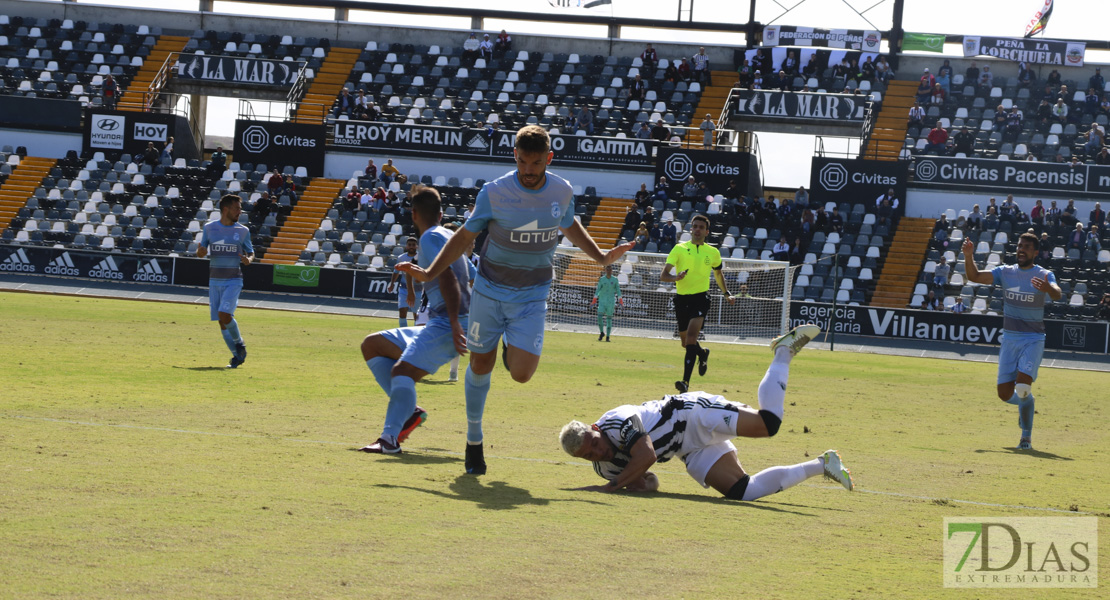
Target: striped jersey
x=432 y=242
x=663 y=420
x=523 y=226
x=225 y=244
x=1022 y=304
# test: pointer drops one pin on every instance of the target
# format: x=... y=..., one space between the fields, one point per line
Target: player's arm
x=452 y=250
x=247 y=255
x=719 y=275
x=972 y=272
x=666 y=275
x=1048 y=286
x=410 y=297
x=577 y=234
x=202 y=247
x=449 y=288
x=642 y=456
x=247 y=258
x=597 y=290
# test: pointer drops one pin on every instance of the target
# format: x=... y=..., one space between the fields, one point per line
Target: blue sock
x=402 y=322
x=1025 y=412
x=228 y=340
x=1014 y=399
x=233 y=329
x=402 y=402
x=381 y=366
x=477 y=386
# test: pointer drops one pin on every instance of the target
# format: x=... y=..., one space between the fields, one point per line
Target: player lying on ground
x=697 y=427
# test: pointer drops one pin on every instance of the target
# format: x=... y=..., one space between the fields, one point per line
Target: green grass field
x=133 y=465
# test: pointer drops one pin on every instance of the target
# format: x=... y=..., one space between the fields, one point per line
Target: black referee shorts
x=691 y=306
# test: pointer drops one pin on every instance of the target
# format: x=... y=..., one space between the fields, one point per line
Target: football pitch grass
x=133 y=465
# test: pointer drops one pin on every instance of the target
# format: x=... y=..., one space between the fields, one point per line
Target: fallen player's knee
x=736 y=492
x=771 y=421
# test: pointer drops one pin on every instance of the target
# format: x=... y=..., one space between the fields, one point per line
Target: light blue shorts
x=427 y=348
x=223 y=296
x=520 y=322
x=1019 y=355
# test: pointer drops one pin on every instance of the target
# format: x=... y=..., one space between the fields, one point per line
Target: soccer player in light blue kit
x=524 y=211
x=1024 y=286
x=400 y=357
x=229 y=243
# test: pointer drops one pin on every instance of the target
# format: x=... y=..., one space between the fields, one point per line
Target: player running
x=399 y=358
x=229 y=243
x=524 y=212
x=1024 y=286
x=698 y=428
x=406 y=291
x=607 y=295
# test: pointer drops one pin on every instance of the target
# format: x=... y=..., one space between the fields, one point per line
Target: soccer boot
x=795 y=338
x=475 y=460
x=606 y=338
x=600 y=336
x=1024 y=444
x=416 y=420
x=681 y=386
x=382 y=446
x=240 y=356
x=835 y=470
x=453 y=376
x=703 y=362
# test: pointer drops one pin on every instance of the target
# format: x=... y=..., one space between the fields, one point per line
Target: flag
x=1040 y=20
x=923 y=42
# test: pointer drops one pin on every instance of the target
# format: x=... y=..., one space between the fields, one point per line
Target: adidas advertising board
x=942 y=326
x=62 y=265
x=715 y=168
x=150 y=271
x=799 y=105
x=856 y=180
x=974 y=173
x=17 y=262
x=278 y=143
x=89 y=265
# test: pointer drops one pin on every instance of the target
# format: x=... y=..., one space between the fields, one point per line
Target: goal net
x=761 y=311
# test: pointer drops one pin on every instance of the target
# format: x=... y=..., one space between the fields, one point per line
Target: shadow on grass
x=497 y=495
x=439 y=382
x=413 y=458
x=722 y=501
x=1034 y=453
x=202 y=368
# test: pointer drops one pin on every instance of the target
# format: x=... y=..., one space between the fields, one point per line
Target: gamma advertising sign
x=1016 y=552
x=296 y=276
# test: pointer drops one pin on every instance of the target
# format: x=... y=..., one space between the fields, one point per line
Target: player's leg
x=487 y=323
x=728 y=477
x=402 y=314
x=382 y=350
x=224 y=299
x=524 y=323
x=682 y=315
x=609 y=322
x=600 y=322
x=1029 y=362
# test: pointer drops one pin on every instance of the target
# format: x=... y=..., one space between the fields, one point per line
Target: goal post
x=761 y=311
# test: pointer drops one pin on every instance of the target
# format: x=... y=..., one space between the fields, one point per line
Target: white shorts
x=710 y=427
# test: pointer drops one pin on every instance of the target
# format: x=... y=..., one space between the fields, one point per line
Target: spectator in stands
x=1060 y=112
x=643 y=196
x=470 y=48
x=670 y=233
x=797 y=252
x=1093 y=243
x=1046 y=248
x=362 y=105
x=744 y=74
x=974 y=220
x=1015 y=121
x=1104 y=308
x=469 y=211
x=389 y=172
x=1000 y=117
x=990 y=223
x=656 y=234
x=944 y=76
x=925 y=87
x=167 y=150
x=701 y=67
x=660 y=132
x=733 y=193
x=789 y=64
x=1064 y=93
x=1053 y=80
x=808 y=220
x=883 y=72
x=690 y=189
x=262 y=208
x=1049 y=94
x=964 y=141
x=757 y=81
x=938 y=140
x=931 y=302
x=1025 y=75
x=671 y=73
x=1070 y=215
x=1103 y=158
x=345 y=104
x=938 y=95
x=1097 y=216
x=1096 y=81
x=801 y=197
x=110 y=91
x=275 y=182
x=1091 y=102
x=1077 y=238
x=917 y=116
x=836 y=222
x=1104 y=106
x=940 y=276
x=636 y=88
x=365 y=201
x=643 y=132
x=684 y=71
x=1096 y=139
x=1009 y=211
x=503 y=44
x=785 y=82
x=371 y=170
x=353 y=199
x=781 y=250
x=942 y=223
x=585 y=120
x=662 y=187
x=986 y=79
x=1044 y=115
x=971 y=75
x=1037 y=215
x=958 y=306
x=289 y=187
x=890 y=197
x=217 y=163
x=151 y=155
x=485 y=47
x=940 y=238
x=707 y=126
x=650 y=58
x=642 y=237
x=632 y=219
x=1053 y=215
x=867 y=71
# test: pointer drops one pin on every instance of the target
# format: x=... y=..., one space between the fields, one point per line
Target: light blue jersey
x=523 y=225
x=431 y=243
x=225 y=244
x=1023 y=305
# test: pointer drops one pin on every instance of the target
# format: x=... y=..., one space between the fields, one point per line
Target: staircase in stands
x=889 y=132
x=712 y=101
x=902 y=263
x=21 y=185
x=133 y=97
x=294 y=234
x=326 y=85
x=605 y=229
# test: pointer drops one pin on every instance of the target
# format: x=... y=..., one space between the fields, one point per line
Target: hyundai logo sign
x=108 y=124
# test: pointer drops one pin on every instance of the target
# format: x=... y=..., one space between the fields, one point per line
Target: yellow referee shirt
x=699 y=260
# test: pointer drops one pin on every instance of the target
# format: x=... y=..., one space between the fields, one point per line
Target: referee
x=692 y=262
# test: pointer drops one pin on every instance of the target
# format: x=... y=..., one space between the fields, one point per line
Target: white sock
x=455 y=364
x=776 y=479
x=772 y=390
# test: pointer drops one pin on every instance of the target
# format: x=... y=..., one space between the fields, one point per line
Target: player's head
x=426 y=207
x=410 y=245
x=1027 y=247
x=533 y=154
x=585 y=441
x=699 y=228
x=230 y=207
x=608 y=270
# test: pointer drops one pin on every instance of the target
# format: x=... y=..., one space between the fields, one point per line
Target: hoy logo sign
x=150 y=132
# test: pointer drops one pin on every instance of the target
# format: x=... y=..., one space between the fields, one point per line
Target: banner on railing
x=238 y=71
x=1041 y=52
x=855 y=39
x=974 y=173
x=799 y=105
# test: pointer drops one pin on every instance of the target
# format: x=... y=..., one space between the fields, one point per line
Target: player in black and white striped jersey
x=698 y=427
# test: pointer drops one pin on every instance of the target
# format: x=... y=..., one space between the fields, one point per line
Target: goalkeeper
x=606 y=296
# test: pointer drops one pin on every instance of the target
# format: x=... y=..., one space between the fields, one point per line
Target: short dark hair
x=228 y=200
x=700 y=217
x=425 y=201
x=1032 y=239
x=533 y=138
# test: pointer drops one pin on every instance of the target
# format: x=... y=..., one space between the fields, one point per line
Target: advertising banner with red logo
x=852 y=39
x=1040 y=52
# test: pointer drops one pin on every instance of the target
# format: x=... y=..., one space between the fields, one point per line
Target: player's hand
x=593 y=302
x=458 y=336
x=968 y=247
x=417 y=273
x=411 y=299
x=681 y=275
x=1039 y=284
x=612 y=256
x=243 y=258
x=731 y=299
x=620 y=301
